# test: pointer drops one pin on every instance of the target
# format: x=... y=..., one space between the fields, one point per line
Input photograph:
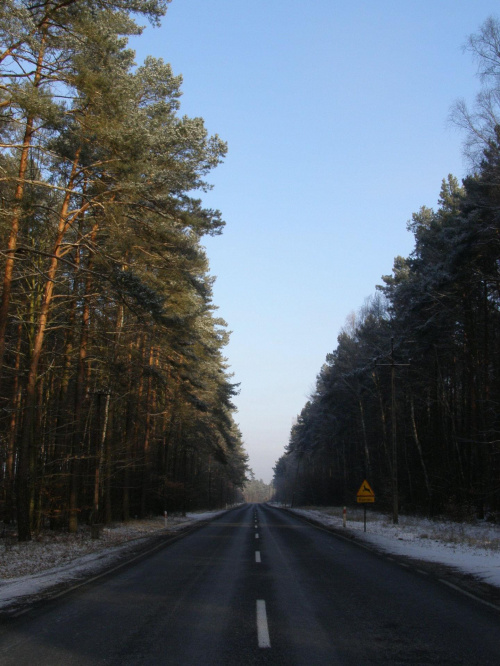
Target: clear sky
x=336 y=118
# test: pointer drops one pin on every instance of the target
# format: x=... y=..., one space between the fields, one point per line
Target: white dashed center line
x=257 y=556
x=257 y=535
x=262 y=628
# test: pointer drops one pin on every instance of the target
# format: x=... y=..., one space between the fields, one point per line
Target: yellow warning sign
x=365 y=493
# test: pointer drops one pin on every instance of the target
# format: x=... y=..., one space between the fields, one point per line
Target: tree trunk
x=16 y=217
x=25 y=484
x=13 y=429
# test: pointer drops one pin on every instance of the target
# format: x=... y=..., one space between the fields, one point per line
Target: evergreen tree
x=117 y=395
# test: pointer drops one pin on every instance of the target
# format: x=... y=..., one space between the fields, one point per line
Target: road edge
x=462 y=582
x=127 y=556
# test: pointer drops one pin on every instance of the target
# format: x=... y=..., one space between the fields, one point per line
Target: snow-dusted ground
x=28 y=569
x=473 y=548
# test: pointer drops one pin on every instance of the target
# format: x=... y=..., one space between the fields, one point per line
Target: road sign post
x=365 y=495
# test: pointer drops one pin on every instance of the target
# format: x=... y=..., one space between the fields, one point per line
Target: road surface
x=257 y=586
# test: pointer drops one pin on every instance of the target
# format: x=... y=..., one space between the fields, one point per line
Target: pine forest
x=115 y=395
x=116 y=399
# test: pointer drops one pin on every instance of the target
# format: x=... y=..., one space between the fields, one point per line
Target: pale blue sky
x=335 y=113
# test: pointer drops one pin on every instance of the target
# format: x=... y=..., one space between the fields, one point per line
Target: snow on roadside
x=29 y=568
x=471 y=547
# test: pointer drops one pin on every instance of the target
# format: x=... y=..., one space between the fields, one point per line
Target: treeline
x=115 y=396
x=256 y=490
x=410 y=398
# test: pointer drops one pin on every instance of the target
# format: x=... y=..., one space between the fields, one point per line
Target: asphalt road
x=257 y=586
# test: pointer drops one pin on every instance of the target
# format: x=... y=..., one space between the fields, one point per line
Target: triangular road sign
x=365 y=492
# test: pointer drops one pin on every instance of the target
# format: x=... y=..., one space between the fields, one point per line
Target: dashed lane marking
x=257 y=556
x=262 y=629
